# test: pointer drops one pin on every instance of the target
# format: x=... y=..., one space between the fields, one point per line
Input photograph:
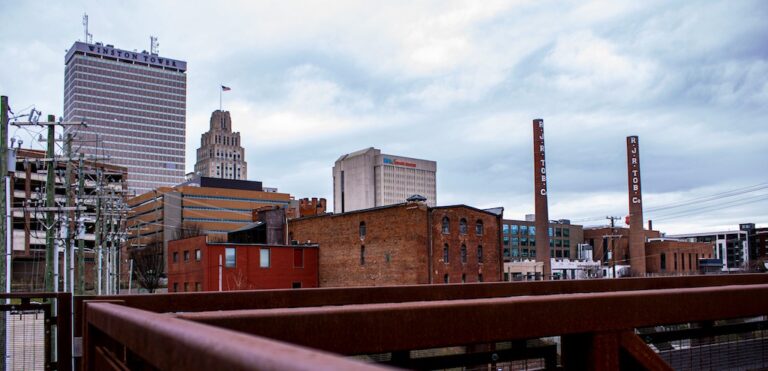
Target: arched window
x=480 y=254
x=362 y=255
x=463 y=254
x=445 y=278
x=445 y=254
x=446 y=225
x=463 y=226
x=362 y=230
x=663 y=262
x=479 y=228
x=463 y=278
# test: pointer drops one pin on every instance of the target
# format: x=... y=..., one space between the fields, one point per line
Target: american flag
x=225 y=88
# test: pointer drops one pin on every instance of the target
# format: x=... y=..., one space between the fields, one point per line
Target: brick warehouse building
x=404 y=244
x=193 y=265
x=605 y=239
x=675 y=257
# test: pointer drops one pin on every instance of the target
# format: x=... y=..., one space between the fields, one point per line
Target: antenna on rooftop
x=154 y=46
x=88 y=36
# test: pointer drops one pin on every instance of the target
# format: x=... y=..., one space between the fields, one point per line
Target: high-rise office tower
x=368 y=178
x=220 y=154
x=134 y=104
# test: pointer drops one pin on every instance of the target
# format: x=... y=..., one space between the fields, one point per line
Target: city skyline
x=460 y=85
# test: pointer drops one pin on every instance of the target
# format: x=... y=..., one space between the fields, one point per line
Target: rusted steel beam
x=24 y=295
x=376 y=328
x=169 y=343
x=64 y=332
x=641 y=354
x=262 y=299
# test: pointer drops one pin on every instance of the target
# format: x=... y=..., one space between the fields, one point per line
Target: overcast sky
x=458 y=83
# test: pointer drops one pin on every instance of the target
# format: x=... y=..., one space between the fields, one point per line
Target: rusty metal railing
x=594 y=322
x=119 y=338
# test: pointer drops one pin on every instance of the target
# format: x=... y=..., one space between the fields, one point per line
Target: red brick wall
x=681 y=257
x=395 y=246
x=181 y=271
x=490 y=268
x=247 y=274
x=621 y=244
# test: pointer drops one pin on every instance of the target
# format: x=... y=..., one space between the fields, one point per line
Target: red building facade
x=194 y=265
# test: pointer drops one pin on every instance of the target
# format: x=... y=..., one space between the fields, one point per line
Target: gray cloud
x=456 y=82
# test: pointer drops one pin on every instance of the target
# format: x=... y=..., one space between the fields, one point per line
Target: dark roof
x=415 y=198
x=469 y=207
x=247 y=227
x=397 y=205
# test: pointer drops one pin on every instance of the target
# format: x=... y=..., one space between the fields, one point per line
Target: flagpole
x=221 y=90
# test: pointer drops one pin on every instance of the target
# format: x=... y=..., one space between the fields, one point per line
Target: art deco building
x=135 y=107
x=220 y=154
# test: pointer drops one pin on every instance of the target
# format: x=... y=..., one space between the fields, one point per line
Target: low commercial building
x=404 y=244
x=732 y=247
x=196 y=264
x=611 y=245
x=519 y=239
x=674 y=257
x=562 y=269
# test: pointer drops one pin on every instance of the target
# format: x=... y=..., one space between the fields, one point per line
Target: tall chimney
x=636 y=234
x=540 y=198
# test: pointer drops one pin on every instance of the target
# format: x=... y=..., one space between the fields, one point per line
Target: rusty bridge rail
x=119 y=337
x=289 y=298
x=597 y=322
x=420 y=325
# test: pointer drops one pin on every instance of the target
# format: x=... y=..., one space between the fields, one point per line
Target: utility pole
x=80 y=241
x=68 y=241
x=5 y=261
x=610 y=238
x=98 y=229
x=51 y=282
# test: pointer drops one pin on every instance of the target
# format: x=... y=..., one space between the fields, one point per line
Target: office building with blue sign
x=368 y=178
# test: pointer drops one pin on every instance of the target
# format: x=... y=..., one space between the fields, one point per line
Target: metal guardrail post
x=64 y=331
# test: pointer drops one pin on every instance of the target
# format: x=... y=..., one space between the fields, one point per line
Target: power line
x=689 y=202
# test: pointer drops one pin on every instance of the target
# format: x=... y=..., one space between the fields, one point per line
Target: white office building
x=368 y=178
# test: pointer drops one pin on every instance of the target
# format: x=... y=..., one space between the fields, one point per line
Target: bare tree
x=240 y=281
x=148 y=264
x=187 y=230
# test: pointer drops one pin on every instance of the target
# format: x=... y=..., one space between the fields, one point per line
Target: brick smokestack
x=636 y=233
x=540 y=197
